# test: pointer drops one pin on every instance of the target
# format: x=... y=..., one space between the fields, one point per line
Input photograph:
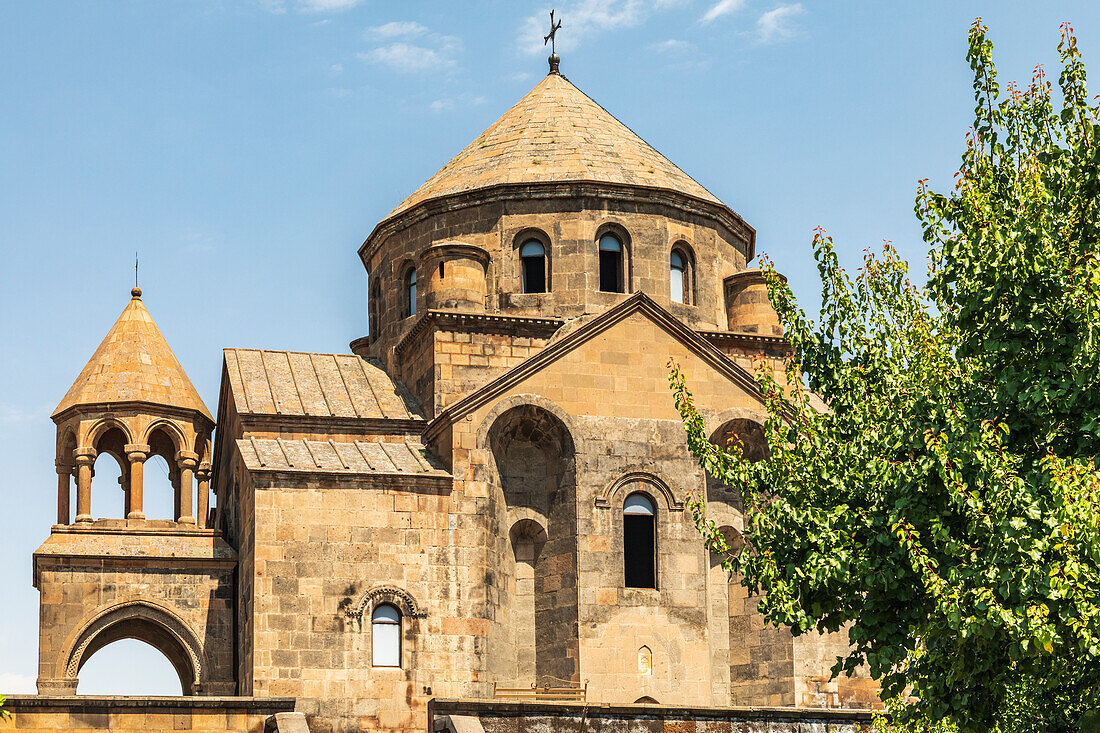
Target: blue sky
x=247 y=147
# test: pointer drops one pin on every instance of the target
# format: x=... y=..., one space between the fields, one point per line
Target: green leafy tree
x=944 y=508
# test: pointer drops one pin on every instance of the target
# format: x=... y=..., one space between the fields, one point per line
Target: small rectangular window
x=386 y=645
x=611 y=271
x=639 y=551
x=534 y=275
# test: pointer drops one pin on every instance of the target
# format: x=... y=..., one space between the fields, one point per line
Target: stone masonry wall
x=35 y=714
x=455 y=716
x=328 y=550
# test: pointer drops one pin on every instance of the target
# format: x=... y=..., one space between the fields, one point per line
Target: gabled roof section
x=637 y=303
x=556 y=133
x=134 y=364
x=359 y=457
x=264 y=382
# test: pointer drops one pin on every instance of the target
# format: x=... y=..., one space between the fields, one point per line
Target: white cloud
x=309 y=6
x=465 y=100
x=326 y=6
x=336 y=68
x=431 y=52
x=775 y=25
x=17 y=684
x=672 y=45
x=397 y=29
x=408 y=58
x=584 y=19
x=720 y=8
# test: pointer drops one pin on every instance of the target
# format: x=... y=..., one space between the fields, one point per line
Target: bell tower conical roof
x=556 y=134
x=134 y=364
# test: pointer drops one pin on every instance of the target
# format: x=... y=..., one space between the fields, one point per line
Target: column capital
x=203 y=472
x=136 y=452
x=63 y=466
x=187 y=459
x=84 y=456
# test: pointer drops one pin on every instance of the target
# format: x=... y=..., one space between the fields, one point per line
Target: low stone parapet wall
x=120 y=714
x=492 y=716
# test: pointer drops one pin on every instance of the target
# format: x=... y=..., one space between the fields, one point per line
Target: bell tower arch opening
x=110 y=472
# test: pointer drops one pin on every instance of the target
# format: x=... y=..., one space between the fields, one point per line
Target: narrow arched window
x=532 y=259
x=639 y=542
x=677 y=276
x=611 y=264
x=410 y=293
x=374 y=304
x=385 y=633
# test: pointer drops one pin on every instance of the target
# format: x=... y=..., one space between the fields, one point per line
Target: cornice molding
x=561 y=190
x=490 y=322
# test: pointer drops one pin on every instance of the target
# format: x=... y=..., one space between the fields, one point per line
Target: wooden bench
x=546 y=692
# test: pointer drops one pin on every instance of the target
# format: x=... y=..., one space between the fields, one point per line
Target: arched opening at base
x=140 y=629
x=156 y=626
x=129 y=667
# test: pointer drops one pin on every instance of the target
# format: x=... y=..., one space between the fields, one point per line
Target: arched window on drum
x=410 y=293
x=532 y=258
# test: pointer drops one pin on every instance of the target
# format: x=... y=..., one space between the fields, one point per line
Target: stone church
x=473 y=521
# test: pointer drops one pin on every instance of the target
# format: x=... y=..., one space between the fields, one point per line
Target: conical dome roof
x=134 y=364
x=556 y=133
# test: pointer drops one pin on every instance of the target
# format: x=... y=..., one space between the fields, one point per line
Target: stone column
x=203 y=475
x=137 y=455
x=64 y=482
x=187 y=461
x=85 y=457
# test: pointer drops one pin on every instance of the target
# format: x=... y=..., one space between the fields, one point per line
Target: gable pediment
x=617 y=364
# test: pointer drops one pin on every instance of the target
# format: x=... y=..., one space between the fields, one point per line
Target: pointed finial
x=550 y=38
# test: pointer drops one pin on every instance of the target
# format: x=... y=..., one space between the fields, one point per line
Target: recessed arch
x=536 y=400
x=749 y=431
x=145 y=621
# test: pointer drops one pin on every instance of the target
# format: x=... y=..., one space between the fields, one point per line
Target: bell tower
x=168 y=582
x=133 y=400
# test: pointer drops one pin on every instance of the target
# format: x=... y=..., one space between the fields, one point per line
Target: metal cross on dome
x=553 y=31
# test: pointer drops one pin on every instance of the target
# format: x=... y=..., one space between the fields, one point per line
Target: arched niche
x=747 y=429
x=533 y=454
x=142 y=620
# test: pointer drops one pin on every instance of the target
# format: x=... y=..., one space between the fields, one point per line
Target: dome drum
x=453 y=275
x=748 y=309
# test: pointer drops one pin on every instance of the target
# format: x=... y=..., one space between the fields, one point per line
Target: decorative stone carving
x=399 y=597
